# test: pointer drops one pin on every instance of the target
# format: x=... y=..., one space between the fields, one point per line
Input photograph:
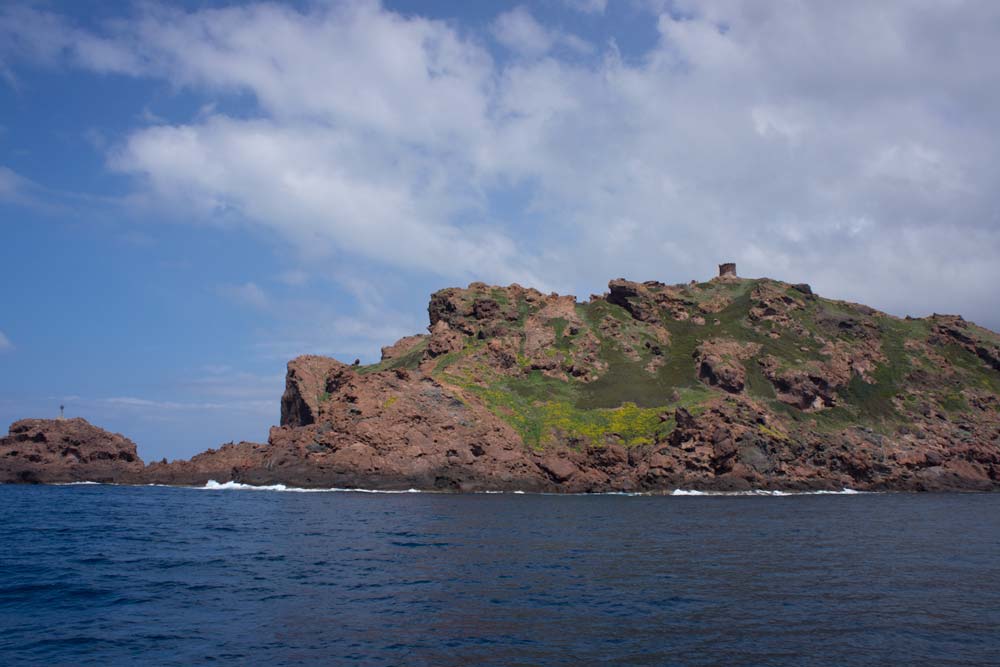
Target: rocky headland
x=728 y=385
x=66 y=450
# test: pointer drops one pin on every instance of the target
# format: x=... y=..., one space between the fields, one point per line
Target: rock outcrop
x=305 y=386
x=728 y=385
x=66 y=450
x=720 y=363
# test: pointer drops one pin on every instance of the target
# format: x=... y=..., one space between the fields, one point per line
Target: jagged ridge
x=729 y=384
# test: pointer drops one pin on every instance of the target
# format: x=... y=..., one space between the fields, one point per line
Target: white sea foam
x=216 y=486
x=379 y=490
x=212 y=485
x=765 y=492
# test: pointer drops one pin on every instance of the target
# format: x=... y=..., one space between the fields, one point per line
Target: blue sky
x=192 y=193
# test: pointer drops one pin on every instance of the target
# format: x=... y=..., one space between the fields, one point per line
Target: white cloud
x=322 y=188
x=248 y=294
x=334 y=334
x=5 y=343
x=772 y=121
x=13 y=187
x=22 y=191
x=587 y=6
x=846 y=144
x=171 y=410
x=50 y=39
x=294 y=277
x=913 y=166
x=221 y=383
x=133 y=402
x=518 y=30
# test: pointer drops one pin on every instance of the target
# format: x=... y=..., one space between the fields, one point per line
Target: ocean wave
x=212 y=485
x=765 y=492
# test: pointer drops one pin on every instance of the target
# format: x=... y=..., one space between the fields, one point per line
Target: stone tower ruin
x=727 y=269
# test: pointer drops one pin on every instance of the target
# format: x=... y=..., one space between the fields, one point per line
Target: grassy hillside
x=615 y=369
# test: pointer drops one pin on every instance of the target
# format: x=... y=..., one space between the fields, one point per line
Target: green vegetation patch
x=594 y=312
x=410 y=360
x=873 y=401
x=757 y=384
x=625 y=381
x=772 y=432
x=727 y=289
x=953 y=402
x=679 y=369
x=500 y=296
x=543 y=411
x=973 y=370
x=564 y=340
x=524 y=310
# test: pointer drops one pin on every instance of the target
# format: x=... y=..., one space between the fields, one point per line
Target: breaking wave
x=212 y=485
x=765 y=492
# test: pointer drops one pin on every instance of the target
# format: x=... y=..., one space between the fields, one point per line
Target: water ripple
x=109 y=575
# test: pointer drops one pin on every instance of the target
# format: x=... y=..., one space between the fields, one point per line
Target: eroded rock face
x=402 y=429
x=71 y=450
x=651 y=301
x=403 y=346
x=720 y=363
x=636 y=298
x=952 y=329
x=806 y=389
x=305 y=385
x=444 y=340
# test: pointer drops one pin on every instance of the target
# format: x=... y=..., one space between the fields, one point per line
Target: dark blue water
x=112 y=575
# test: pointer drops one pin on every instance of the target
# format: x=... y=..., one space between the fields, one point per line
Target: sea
x=114 y=575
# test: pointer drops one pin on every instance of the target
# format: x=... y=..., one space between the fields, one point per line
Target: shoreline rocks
x=712 y=452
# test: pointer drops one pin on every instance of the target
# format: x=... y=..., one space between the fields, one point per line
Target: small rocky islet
x=728 y=385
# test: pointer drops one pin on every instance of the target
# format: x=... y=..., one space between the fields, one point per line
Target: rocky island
x=727 y=385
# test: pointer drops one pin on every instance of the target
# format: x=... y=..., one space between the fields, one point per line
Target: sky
x=193 y=193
